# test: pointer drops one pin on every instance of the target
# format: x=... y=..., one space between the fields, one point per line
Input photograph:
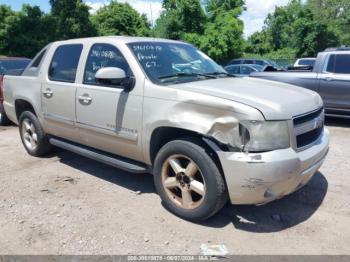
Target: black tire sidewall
x=4 y=121
x=43 y=145
x=213 y=199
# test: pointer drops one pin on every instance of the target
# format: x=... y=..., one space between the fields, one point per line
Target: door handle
x=85 y=99
x=329 y=79
x=48 y=93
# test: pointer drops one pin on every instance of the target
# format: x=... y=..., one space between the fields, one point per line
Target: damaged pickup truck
x=160 y=106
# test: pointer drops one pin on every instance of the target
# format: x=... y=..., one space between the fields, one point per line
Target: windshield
x=272 y=63
x=7 y=65
x=174 y=62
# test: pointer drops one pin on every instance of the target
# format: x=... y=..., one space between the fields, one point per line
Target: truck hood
x=275 y=100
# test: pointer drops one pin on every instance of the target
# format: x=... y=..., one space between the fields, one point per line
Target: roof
x=342 y=48
x=124 y=39
x=257 y=59
x=249 y=65
x=311 y=58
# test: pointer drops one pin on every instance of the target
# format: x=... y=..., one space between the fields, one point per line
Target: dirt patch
x=67 y=204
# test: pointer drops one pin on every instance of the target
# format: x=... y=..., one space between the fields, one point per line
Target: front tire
x=33 y=137
x=188 y=180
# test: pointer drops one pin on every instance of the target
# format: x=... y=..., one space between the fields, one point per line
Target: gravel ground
x=67 y=204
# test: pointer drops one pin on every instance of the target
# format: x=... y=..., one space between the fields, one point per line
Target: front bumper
x=258 y=178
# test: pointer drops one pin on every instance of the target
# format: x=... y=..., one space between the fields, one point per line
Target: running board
x=106 y=158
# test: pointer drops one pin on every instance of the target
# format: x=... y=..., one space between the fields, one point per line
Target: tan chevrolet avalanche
x=158 y=106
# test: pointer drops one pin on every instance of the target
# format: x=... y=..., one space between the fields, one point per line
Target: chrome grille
x=308 y=128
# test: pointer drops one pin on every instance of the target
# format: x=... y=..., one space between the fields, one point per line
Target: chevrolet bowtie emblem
x=318 y=122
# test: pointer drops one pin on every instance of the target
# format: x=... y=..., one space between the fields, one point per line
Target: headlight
x=258 y=136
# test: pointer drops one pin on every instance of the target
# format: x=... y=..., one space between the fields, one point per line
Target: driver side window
x=100 y=56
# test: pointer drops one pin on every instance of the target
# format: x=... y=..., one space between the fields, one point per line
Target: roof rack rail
x=341 y=48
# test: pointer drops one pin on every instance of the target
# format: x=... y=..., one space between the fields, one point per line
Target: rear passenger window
x=235 y=62
x=245 y=70
x=37 y=61
x=342 y=64
x=330 y=66
x=100 y=56
x=64 y=64
x=249 y=62
x=259 y=62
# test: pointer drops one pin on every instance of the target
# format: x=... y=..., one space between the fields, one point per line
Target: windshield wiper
x=221 y=73
x=186 y=75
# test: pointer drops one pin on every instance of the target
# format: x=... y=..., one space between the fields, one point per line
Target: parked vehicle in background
x=262 y=62
x=305 y=62
x=205 y=135
x=8 y=64
x=13 y=66
x=243 y=70
x=298 y=68
x=330 y=78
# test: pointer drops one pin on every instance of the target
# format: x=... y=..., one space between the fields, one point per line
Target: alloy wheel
x=29 y=134
x=183 y=182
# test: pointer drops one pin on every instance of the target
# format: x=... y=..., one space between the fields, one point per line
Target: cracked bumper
x=263 y=177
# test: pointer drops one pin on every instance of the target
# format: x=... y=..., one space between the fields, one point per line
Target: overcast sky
x=253 y=18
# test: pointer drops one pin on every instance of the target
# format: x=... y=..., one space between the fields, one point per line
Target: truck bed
x=304 y=79
x=20 y=87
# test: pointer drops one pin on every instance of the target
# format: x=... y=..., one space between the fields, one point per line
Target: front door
x=334 y=83
x=58 y=92
x=109 y=118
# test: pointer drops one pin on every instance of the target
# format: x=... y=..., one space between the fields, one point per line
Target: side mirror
x=110 y=73
x=114 y=76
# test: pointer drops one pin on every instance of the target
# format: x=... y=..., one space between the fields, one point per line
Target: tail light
x=1 y=88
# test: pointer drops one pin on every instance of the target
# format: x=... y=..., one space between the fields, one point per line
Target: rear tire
x=188 y=180
x=4 y=121
x=33 y=137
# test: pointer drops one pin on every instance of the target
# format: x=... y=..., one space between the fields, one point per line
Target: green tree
x=180 y=17
x=26 y=32
x=218 y=32
x=6 y=15
x=310 y=36
x=217 y=7
x=294 y=28
x=223 y=38
x=258 y=43
x=120 y=19
x=72 y=19
x=5 y=11
x=335 y=14
x=279 y=24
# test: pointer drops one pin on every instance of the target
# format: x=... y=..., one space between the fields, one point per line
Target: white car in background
x=309 y=61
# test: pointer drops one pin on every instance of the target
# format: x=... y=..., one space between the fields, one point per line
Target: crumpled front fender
x=206 y=115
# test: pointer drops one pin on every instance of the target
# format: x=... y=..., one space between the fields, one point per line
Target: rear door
x=58 y=91
x=109 y=118
x=335 y=83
